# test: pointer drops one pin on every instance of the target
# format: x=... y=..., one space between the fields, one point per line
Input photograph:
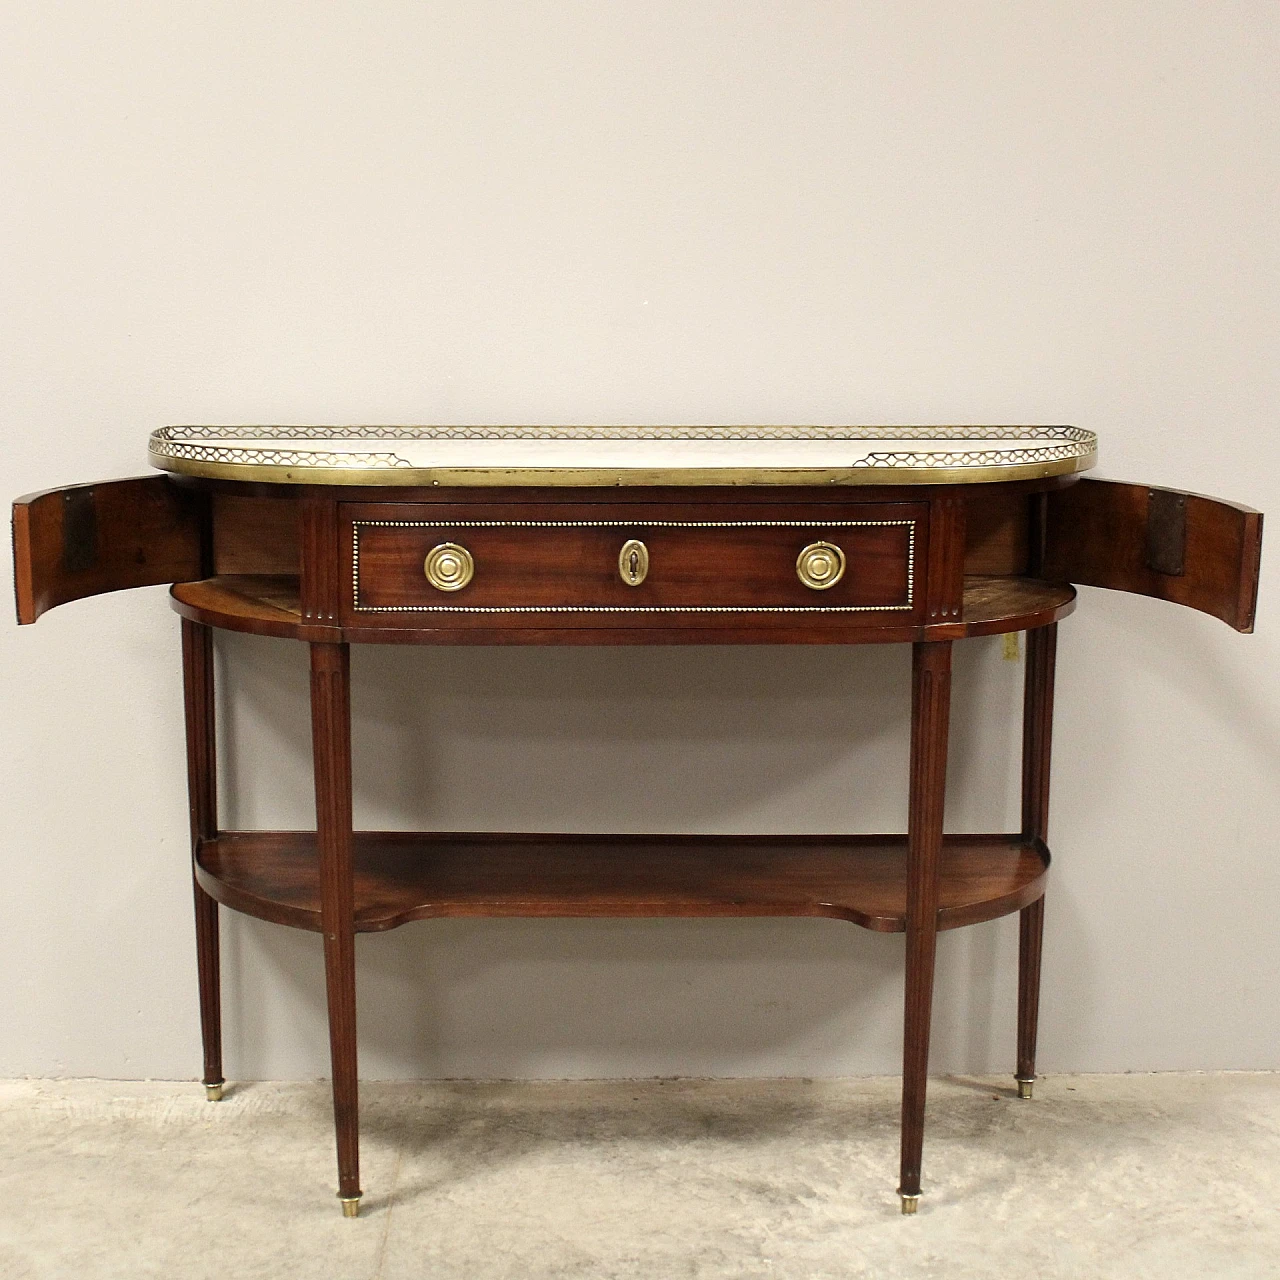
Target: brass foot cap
x=350 y=1206
x=213 y=1092
x=910 y=1203
x=1024 y=1089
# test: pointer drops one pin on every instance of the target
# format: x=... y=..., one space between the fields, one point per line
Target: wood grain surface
x=89 y=539
x=262 y=605
x=1037 y=751
x=930 y=724
x=541 y=557
x=202 y=793
x=403 y=876
x=331 y=739
x=1101 y=533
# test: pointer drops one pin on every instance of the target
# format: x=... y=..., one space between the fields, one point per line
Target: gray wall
x=644 y=212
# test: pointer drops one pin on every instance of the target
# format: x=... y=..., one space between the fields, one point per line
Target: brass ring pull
x=633 y=562
x=820 y=565
x=449 y=566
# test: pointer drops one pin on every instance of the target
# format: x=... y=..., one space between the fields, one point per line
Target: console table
x=335 y=536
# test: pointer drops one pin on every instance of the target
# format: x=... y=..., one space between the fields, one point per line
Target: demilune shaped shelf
x=403 y=876
x=268 y=605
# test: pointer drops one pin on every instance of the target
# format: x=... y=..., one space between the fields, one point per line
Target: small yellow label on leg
x=1012 y=646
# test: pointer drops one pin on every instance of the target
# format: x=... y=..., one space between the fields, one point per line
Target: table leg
x=930 y=717
x=331 y=739
x=202 y=792
x=1037 y=740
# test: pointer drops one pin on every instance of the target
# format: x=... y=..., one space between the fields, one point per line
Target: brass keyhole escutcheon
x=633 y=562
x=820 y=565
x=449 y=566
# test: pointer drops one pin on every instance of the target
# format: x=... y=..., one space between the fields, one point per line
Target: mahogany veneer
x=93 y=538
x=271 y=605
x=330 y=564
x=403 y=876
x=566 y=557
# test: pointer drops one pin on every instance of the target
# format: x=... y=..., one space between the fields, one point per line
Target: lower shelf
x=403 y=876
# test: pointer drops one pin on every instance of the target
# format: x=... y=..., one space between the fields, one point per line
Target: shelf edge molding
x=269 y=605
x=405 y=876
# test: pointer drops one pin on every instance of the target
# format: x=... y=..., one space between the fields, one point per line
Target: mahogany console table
x=615 y=536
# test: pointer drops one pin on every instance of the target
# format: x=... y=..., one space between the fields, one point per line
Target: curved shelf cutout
x=403 y=876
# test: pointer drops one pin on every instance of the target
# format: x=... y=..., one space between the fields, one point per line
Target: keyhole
x=633 y=562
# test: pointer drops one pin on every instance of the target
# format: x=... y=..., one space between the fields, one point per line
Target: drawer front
x=611 y=566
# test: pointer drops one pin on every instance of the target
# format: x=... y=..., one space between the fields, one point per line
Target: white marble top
x=614 y=455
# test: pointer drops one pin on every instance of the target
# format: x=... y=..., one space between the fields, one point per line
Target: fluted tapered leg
x=331 y=739
x=930 y=718
x=1037 y=741
x=202 y=792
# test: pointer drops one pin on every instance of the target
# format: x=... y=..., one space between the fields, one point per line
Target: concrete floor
x=1164 y=1176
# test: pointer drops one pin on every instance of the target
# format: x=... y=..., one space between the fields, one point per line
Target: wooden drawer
x=560 y=566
